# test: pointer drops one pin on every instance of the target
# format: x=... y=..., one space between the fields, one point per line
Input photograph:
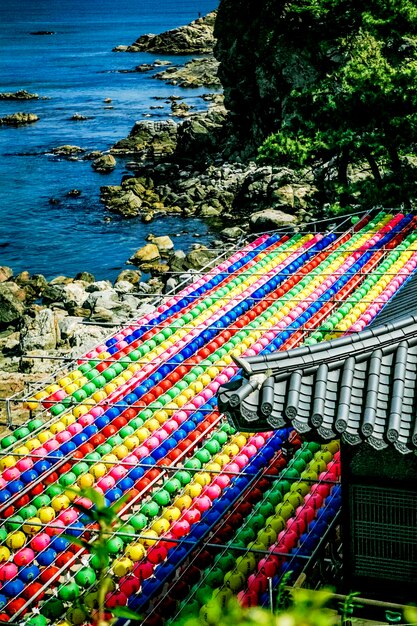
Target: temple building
x=362 y=389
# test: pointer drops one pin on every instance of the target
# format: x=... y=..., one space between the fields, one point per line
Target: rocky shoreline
x=174 y=168
x=194 y=38
x=67 y=316
x=182 y=168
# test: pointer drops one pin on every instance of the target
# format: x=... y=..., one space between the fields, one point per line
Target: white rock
x=40 y=332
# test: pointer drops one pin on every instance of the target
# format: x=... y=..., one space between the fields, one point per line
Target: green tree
x=361 y=101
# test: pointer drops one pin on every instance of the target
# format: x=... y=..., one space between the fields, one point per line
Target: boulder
x=18 y=119
x=155 y=269
x=200 y=257
x=12 y=304
x=293 y=196
x=5 y=273
x=40 y=332
x=131 y=276
x=67 y=150
x=107 y=307
x=171 y=284
x=82 y=338
x=149 y=252
x=178 y=261
x=99 y=285
x=209 y=211
x=199 y=134
x=33 y=286
x=270 y=219
x=104 y=164
x=9 y=351
x=233 y=232
x=107 y=298
x=86 y=277
x=124 y=286
x=125 y=202
x=164 y=243
x=9 y=341
x=91 y=156
x=149 y=140
x=70 y=295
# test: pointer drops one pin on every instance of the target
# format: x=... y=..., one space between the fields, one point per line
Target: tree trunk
x=373 y=165
x=395 y=159
x=342 y=166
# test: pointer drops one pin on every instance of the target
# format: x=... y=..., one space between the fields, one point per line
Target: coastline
x=174 y=168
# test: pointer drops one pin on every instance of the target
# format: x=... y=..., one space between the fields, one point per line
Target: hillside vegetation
x=325 y=84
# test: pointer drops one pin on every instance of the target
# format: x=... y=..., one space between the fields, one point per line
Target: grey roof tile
x=363 y=386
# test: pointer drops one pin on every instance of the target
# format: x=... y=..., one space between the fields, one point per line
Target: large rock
x=99 y=285
x=200 y=257
x=12 y=305
x=9 y=351
x=293 y=196
x=124 y=286
x=108 y=306
x=86 y=277
x=122 y=201
x=71 y=295
x=40 y=332
x=269 y=219
x=18 y=119
x=5 y=273
x=147 y=254
x=178 y=261
x=199 y=134
x=22 y=94
x=67 y=150
x=232 y=232
x=195 y=73
x=164 y=243
x=194 y=38
x=131 y=276
x=104 y=164
x=81 y=337
x=149 y=140
x=33 y=285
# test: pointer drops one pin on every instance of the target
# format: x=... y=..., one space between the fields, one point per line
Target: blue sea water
x=75 y=69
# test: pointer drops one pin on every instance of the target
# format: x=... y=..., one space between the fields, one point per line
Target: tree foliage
x=361 y=101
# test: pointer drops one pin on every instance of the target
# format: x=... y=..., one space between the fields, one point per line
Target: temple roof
x=361 y=387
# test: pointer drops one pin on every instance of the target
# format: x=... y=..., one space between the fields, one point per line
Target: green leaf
x=116 y=506
x=95 y=497
x=125 y=612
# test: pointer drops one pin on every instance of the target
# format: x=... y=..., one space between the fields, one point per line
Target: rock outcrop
x=149 y=140
x=194 y=38
x=67 y=150
x=270 y=219
x=19 y=119
x=195 y=73
x=12 y=303
x=22 y=94
x=104 y=164
x=147 y=254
